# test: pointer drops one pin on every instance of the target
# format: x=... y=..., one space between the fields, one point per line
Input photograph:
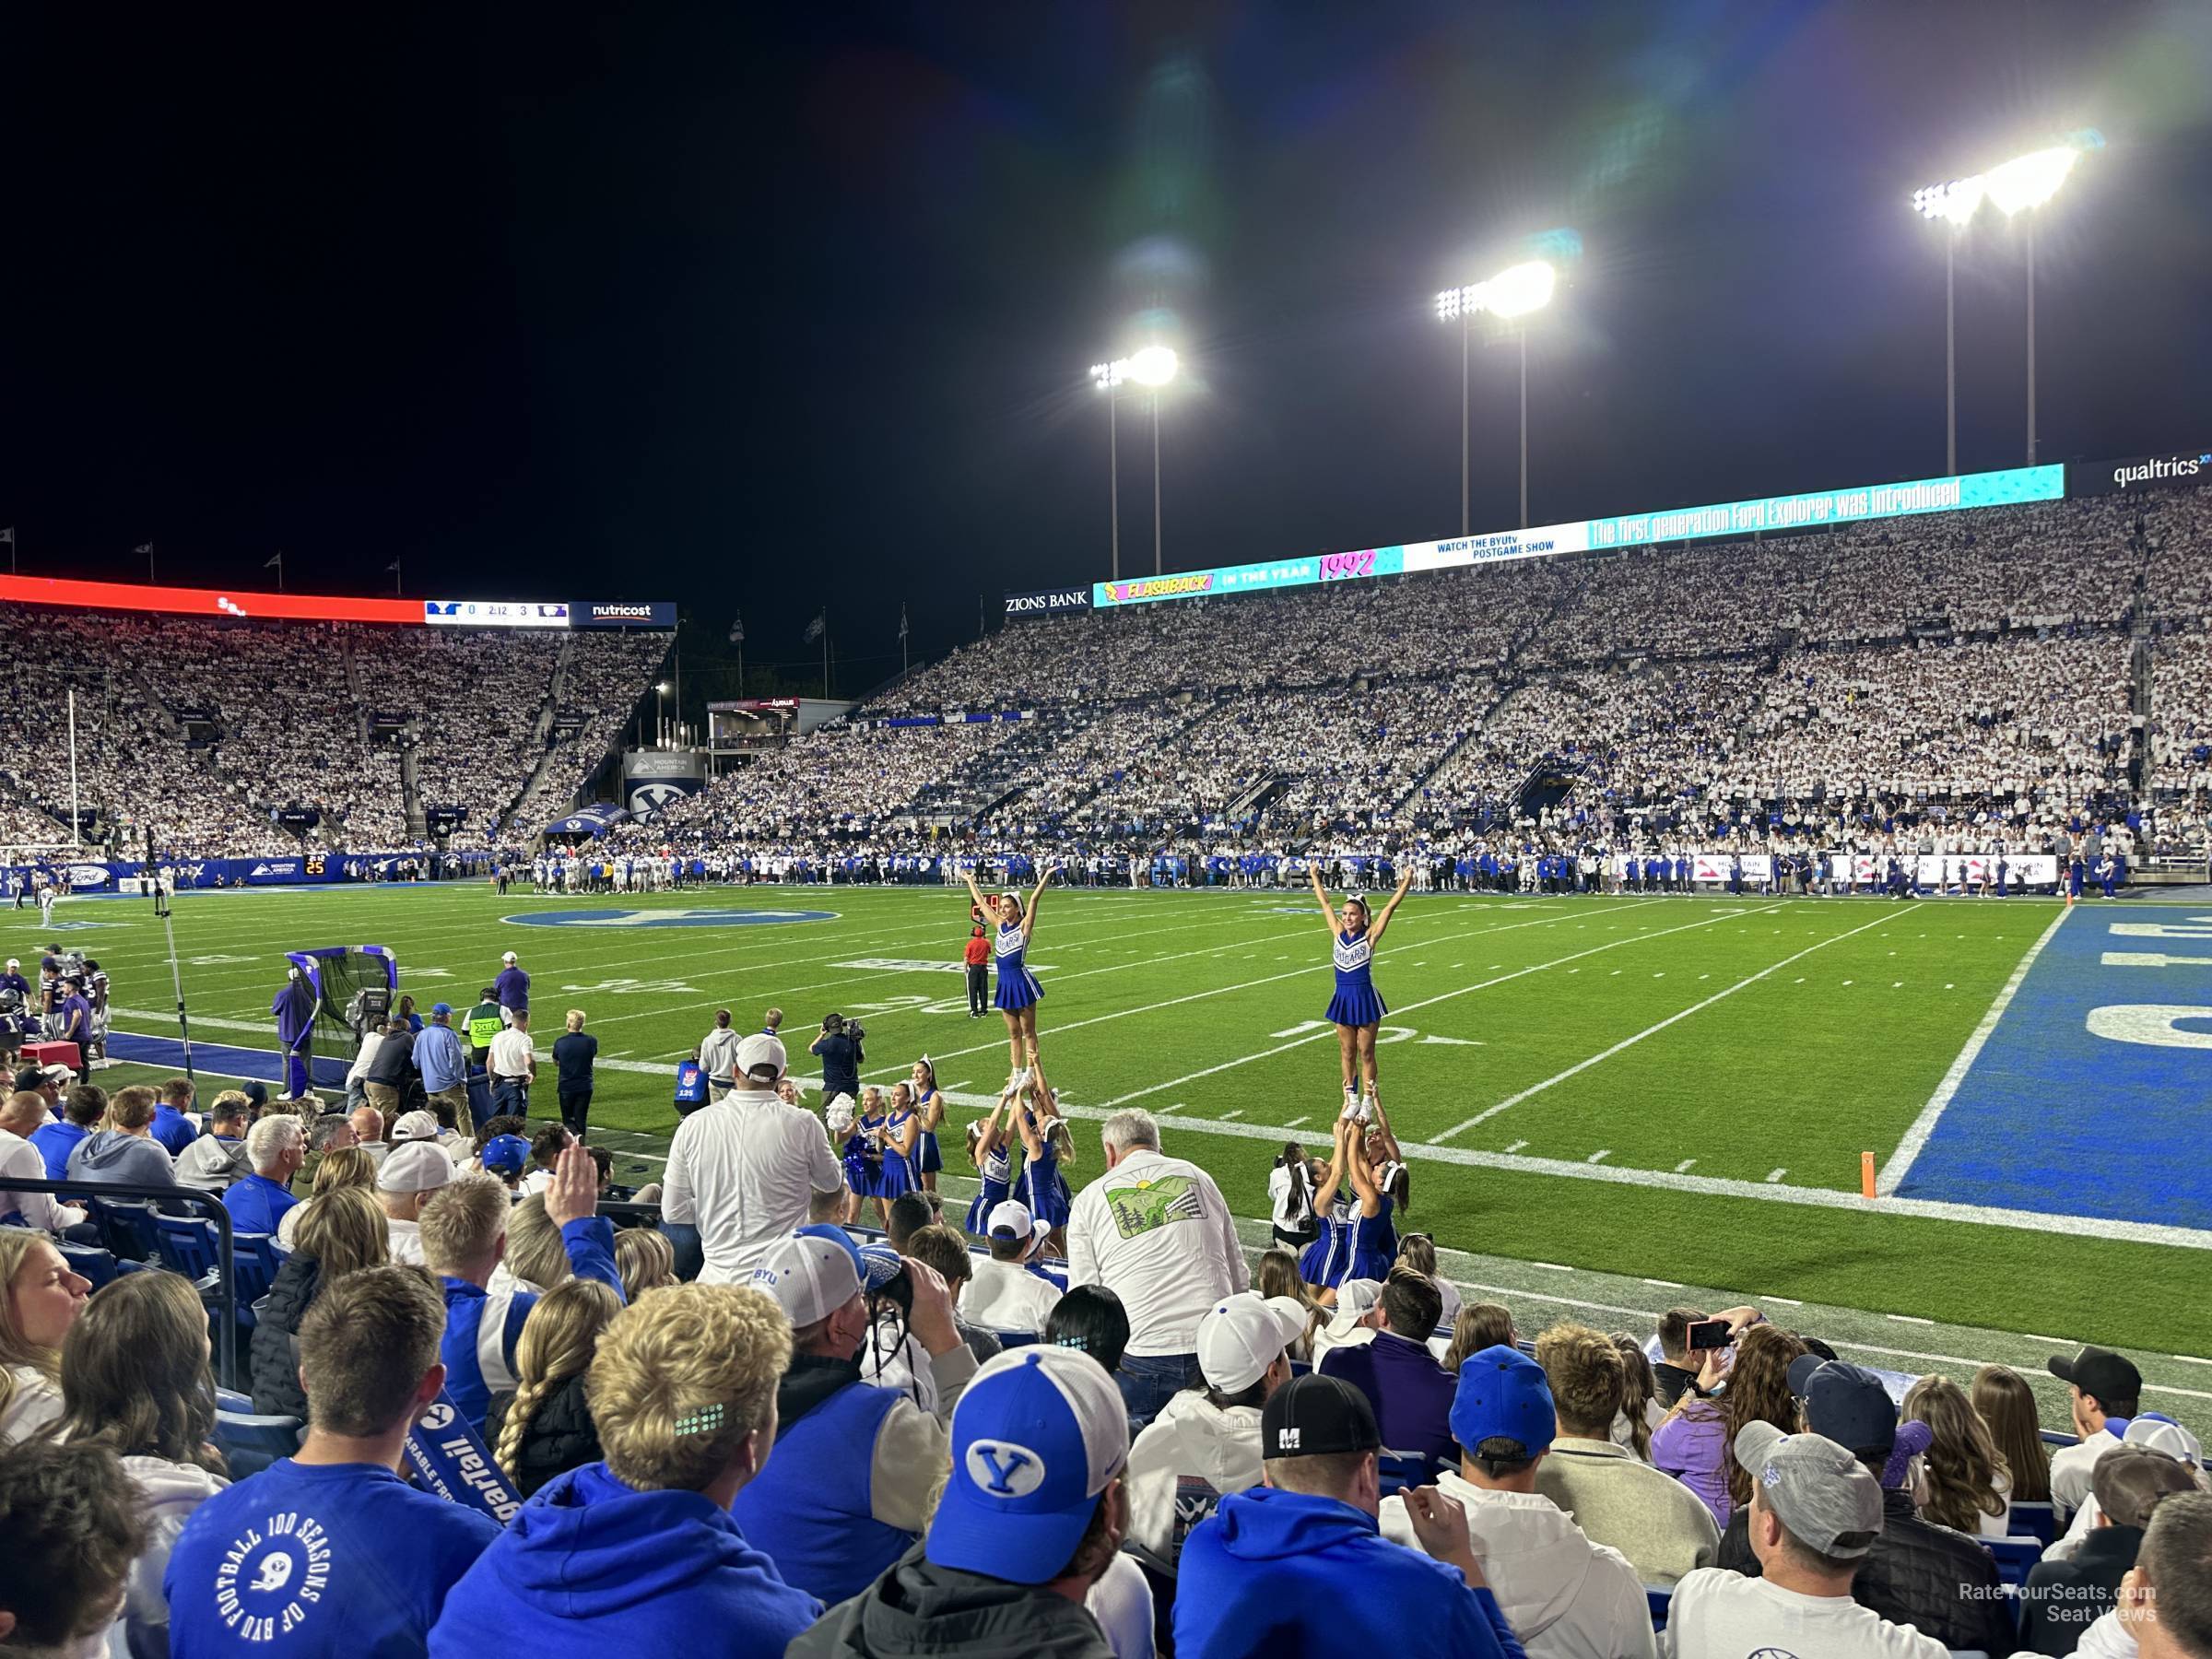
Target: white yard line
x=1409 y=1007
x=1651 y=1030
x=1909 y=1149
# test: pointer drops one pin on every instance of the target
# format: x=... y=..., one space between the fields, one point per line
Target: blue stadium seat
x=129 y=1229
x=2035 y=1520
x=251 y=1442
x=89 y=1262
x=2014 y=1557
x=189 y=1247
x=1008 y=1339
x=1657 y=1598
x=1403 y=1469
x=256 y=1257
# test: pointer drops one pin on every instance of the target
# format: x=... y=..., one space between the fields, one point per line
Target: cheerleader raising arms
x=1323 y=1262
x=1018 y=991
x=1357 y=1010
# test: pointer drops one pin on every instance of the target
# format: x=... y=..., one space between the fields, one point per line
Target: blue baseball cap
x=442 y=1008
x=1503 y=1396
x=1038 y=1435
x=506 y=1153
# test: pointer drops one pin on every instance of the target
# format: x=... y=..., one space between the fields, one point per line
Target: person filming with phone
x=1688 y=1341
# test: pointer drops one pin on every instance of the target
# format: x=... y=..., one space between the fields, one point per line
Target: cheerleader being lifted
x=1357 y=1010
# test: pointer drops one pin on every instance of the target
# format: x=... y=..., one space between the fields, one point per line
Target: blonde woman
x=346 y=1167
x=43 y=1298
x=683 y=1390
x=341 y=1232
x=1275 y=1273
x=646 y=1260
x=134 y=1380
x=537 y=1260
x=544 y=1428
x=1963 y=1482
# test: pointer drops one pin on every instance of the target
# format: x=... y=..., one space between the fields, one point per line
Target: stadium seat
x=251 y=1442
x=189 y=1247
x=1658 y=1598
x=256 y=1257
x=1007 y=1339
x=2037 y=1519
x=2014 y=1557
x=1403 y=1469
x=89 y=1262
x=128 y=1227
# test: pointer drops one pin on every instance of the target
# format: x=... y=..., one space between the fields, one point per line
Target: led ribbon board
x=1773 y=515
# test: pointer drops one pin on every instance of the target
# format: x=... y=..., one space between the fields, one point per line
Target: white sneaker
x=1366 y=1109
x=1351 y=1105
x=1021 y=1079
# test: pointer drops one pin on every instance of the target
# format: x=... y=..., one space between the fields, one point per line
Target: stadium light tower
x=1151 y=367
x=2018 y=186
x=1512 y=295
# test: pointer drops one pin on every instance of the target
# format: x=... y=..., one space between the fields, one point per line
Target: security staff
x=482 y=1023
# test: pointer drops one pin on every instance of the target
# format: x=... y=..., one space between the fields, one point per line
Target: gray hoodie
x=126 y=1159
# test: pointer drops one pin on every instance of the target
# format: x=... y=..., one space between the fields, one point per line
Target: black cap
x=1847 y=1403
x=29 y=1077
x=2101 y=1373
x=255 y=1092
x=1312 y=1416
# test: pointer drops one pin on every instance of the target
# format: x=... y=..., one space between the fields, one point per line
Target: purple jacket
x=511 y=989
x=1692 y=1446
x=1410 y=1391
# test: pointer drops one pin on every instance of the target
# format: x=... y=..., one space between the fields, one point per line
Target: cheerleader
x=1356 y=1009
x=1357 y=1239
x=1047 y=1151
x=1018 y=991
x=929 y=1106
x=987 y=1151
x=852 y=1152
x=901 y=1137
x=869 y=1130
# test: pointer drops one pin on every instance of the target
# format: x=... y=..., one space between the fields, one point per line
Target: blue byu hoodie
x=592 y=1569
x=1287 y=1575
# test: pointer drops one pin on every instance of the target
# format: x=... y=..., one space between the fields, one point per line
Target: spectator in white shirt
x=1566 y=1597
x=1815 y=1513
x=22 y=1112
x=512 y=1063
x=356 y=1075
x=1156 y=1231
x=2165 y=1609
x=1003 y=1294
x=1205 y=1441
x=742 y=1170
x=2106 y=1389
x=718 y=1054
x=411 y=1174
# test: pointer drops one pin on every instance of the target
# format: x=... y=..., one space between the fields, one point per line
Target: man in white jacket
x=1205 y=1441
x=1566 y=1597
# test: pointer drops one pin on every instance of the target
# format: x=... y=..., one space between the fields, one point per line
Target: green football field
x=1675 y=1090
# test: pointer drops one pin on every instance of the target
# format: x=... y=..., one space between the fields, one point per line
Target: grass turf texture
x=1204 y=1007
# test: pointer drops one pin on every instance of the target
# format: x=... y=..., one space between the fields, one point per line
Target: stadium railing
x=129 y=1214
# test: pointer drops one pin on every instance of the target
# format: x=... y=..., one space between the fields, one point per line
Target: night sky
x=781 y=306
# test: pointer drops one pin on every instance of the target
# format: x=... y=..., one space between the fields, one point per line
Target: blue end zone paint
x=220 y=1058
x=664 y=918
x=2056 y=1119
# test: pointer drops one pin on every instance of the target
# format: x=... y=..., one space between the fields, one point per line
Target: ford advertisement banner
x=1048 y=602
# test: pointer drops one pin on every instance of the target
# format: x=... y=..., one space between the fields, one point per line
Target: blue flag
x=449 y=1459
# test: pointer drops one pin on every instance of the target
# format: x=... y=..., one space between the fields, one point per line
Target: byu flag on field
x=8 y=536
x=903 y=621
x=814 y=630
x=738 y=628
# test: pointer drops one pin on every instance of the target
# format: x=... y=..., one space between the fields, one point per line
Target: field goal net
x=354 y=987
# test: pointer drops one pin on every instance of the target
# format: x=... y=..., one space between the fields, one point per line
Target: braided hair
x=557 y=1342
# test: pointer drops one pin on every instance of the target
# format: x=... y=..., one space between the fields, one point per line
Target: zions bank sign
x=1051 y=602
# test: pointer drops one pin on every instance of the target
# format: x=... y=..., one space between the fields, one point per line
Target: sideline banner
x=1939 y=869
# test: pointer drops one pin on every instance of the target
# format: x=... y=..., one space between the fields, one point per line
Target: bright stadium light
x=2013 y=187
x=1514 y=293
x=1150 y=367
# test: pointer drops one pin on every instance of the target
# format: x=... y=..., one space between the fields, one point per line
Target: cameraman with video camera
x=839 y=1050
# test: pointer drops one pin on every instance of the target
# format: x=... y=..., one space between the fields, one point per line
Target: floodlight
x=1152 y=366
x=1513 y=292
x=1107 y=376
x=2031 y=180
x=1956 y=200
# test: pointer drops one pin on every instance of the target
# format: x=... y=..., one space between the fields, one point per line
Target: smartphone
x=1709 y=1334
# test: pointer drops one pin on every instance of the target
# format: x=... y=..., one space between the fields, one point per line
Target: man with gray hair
x=1157 y=1232
x=1816 y=1512
x=276 y=1146
x=2166 y=1598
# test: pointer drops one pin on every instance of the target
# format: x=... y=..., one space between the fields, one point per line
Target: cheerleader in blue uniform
x=1356 y=1009
x=853 y=1152
x=929 y=1106
x=1356 y=1239
x=1047 y=1151
x=901 y=1134
x=987 y=1151
x=873 y=1120
x=1018 y=991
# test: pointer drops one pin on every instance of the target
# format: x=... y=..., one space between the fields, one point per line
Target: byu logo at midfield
x=664 y=918
x=1005 y=1470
